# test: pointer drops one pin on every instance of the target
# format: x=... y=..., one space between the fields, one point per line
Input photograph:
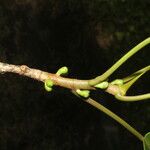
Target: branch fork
x=82 y=88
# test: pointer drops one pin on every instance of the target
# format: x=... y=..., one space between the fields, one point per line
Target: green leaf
x=130 y=80
x=146 y=141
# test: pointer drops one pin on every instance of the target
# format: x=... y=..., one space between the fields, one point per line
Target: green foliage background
x=88 y=37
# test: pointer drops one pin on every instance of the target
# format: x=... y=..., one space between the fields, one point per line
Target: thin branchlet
x=42 y=76
x=83 y=87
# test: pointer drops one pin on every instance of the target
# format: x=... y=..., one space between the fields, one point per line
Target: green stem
x=130 y=77
x=115 y=117
x=128 y=82
x=125 y=87
x=119 y=63
x=133 y=98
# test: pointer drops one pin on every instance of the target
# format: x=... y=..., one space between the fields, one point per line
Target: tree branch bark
x=40 y=75
x=57 y=80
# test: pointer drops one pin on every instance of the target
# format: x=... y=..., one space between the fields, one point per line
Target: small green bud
x=62 y=71
x=117 y=82
x=102 y=85
x=49 y=82
x=48 y=89
x=83 y=93
x=48 y=85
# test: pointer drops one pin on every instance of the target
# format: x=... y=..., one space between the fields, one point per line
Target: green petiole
x=115 y=117
x=105 y=75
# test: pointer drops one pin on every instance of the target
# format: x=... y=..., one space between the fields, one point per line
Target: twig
x=42 y=76
x=78 y=85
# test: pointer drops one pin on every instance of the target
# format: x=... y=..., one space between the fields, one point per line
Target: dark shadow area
x=87 y=37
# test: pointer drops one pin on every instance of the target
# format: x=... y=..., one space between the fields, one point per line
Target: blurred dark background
x=88 y=37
